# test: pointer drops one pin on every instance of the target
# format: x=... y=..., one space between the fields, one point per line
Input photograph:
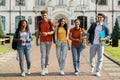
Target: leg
x=58 y=54
x=79 y=53
x=100 y=58
x=74 y=56
x=92 y=54
x=63 y=56
x=28 y=58
x=21 y=59
x=43 y=54
x=48 y=47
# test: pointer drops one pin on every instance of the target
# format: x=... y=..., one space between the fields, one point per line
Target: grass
x=113 y=52
x=6 y=48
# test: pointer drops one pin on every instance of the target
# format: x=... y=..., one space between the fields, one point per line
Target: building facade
x=11 y=11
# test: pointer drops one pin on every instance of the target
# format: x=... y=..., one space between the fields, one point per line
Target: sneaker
x=92 y=70
x=23 y=74
x=61 y=72
x=28 y=72
x=98 y=74
x=43 y=72
x=46 y=71
x=76 y=73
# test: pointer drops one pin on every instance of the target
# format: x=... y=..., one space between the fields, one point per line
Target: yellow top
x=62 y=35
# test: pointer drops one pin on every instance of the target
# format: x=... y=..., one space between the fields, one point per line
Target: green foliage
x=2 y=34
x=115 y=32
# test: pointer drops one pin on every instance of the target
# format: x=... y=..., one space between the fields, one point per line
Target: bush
x=2 y=34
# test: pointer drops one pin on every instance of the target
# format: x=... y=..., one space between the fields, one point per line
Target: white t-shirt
x=97 y=32
x=23 y=36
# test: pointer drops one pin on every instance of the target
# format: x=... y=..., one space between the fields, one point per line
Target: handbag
x=84 y=43
x=14 y=44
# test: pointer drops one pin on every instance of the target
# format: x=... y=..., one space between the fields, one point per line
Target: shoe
x=43 y=72
x=61 y=72
x=92 y=70
x=23 y=74
x=28 y=72
x=46 y=71
x=98 y=74
x=76 y=73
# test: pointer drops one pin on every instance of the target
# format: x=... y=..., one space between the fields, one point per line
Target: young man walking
x=97 y=41
x=45 y=32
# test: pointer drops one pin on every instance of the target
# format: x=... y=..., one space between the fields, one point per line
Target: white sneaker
x=46 y=71
x=28 y=72
x=76 y=73
x=61 y=72
x=92 y=70
x=43 y=72
x=23 y=74
x=98 y=74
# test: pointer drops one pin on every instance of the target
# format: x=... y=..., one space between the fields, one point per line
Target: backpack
x=14 y=43
x=53 y=37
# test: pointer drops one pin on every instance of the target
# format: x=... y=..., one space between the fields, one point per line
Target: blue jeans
x=61 y=55
x=76 y=54
x=24 y=51
x=99 y=50
x=45 y=50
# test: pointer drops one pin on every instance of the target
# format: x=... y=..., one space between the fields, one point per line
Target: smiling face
x=45 y=16
x=62 y=22
x=77 y=23
x=23 y=25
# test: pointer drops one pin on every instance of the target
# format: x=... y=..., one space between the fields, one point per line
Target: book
x=102 y=34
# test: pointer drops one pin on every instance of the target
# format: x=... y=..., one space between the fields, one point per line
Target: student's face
x=100 y=19
x=63 y=22
x=23 y=24
x=77 y=23
x=45 y=16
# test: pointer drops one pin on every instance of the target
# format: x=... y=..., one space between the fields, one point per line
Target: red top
x=45 y=27
x=76 y=34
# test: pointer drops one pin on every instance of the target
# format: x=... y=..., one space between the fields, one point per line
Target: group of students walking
x=48 y=32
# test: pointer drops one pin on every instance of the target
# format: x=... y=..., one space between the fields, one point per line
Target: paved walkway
x=9 y=67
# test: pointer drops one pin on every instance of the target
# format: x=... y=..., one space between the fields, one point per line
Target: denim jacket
x=19 y=44
x=91 y=31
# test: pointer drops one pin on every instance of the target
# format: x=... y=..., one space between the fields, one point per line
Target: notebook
x=102 y=34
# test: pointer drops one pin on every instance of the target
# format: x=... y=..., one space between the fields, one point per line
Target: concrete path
x=9 y=67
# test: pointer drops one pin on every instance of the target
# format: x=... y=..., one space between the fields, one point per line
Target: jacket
x=91 y=31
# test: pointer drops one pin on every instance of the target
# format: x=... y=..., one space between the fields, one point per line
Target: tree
x=115 y=34
x=2 y=34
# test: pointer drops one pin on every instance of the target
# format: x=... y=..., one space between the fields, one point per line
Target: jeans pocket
x=59 y=43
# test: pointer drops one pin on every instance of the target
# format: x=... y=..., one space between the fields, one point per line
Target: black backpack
x=14 y=43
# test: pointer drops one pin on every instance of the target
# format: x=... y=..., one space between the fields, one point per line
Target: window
x=61 y=2
x=2 y=2
x=102 y=2
x=82 y=2
x=118 y=2
x=20 y=2
x=40 y=2
x=29 y=20
x=3 y=22
x=91 y=20
x=17 y=19
x=106 y=20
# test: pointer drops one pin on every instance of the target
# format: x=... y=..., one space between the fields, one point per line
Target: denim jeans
x=96 y=49
x=61 y=55
x=24 y=51
x=76 y=55
x=45 y=50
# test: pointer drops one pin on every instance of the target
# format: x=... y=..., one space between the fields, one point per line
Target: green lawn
x=113 y=52
x=5 y=48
